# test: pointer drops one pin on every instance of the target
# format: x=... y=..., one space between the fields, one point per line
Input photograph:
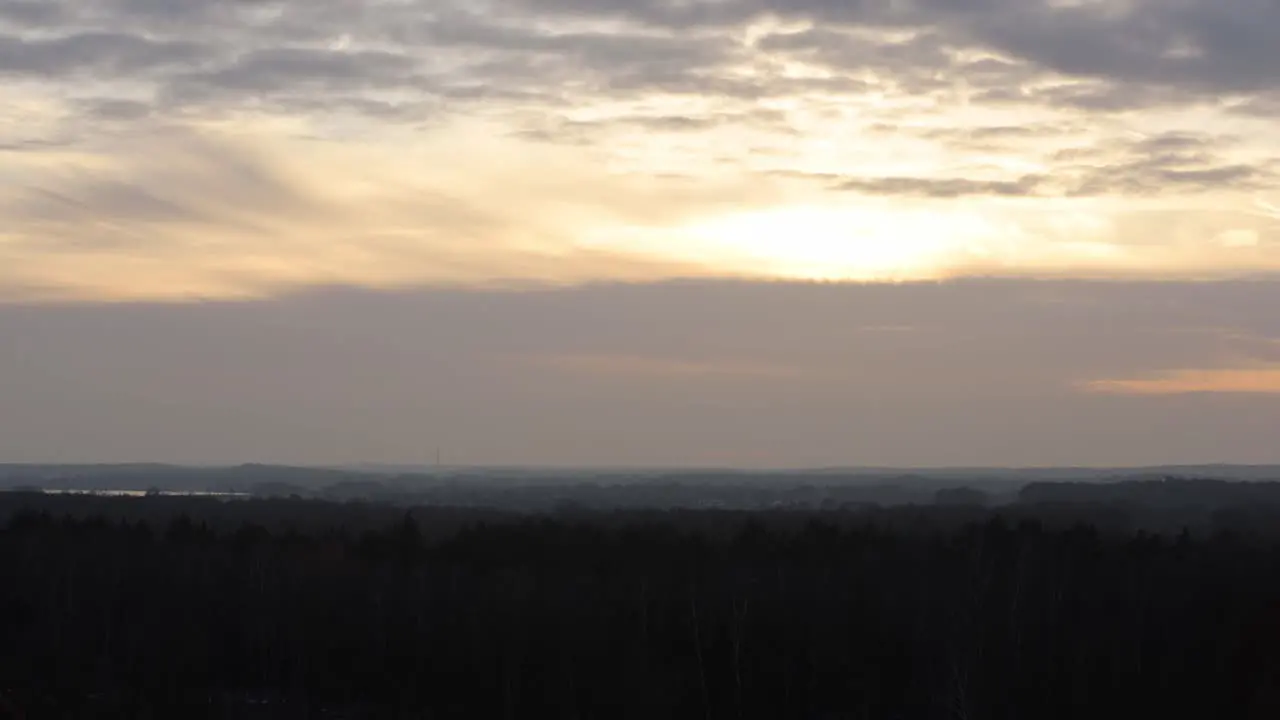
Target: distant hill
x=140 y=476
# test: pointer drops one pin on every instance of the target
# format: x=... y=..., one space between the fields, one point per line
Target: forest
x=1061 y=606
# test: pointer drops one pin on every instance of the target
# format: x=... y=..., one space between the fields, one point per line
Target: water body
x=142 y=493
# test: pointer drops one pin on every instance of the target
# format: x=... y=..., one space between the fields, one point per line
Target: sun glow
x=840 y=243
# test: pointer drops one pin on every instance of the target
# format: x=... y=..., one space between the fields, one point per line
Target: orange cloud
x=1179 y=382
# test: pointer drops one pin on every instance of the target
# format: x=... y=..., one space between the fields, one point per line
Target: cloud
x=936 y=138
x=1166 y=163
x=983 y=136
x=109 y=55
x=191 y=214
x=943 y=187
x=632 y=366
x=567 y=130
x=1258 y=381
x=555 y=51
x=1205 y=46
x=1198 y=47
x=343 y=374
x=922 y=61
x=29 y=13
x=275 y=69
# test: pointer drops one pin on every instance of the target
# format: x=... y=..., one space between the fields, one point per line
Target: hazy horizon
x=381 y=467
x=972 y=372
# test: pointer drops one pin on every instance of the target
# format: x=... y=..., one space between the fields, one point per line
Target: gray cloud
x=1026 y=139
x=943 y=187
x=1266 y=105
x=852 y=51
x=924 y=62
x=1218 y=46
x=1157 y=176
x=1199 y=47
x=1099 y=96
x=346 y=375
x=104 y=54
x=114 y=109
x=30 y=13
x=1145 y=53
x=1166 y=163
x=564 y=130
x=292 y=69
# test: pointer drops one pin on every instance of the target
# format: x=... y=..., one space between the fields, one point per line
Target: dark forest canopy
x=198 y=607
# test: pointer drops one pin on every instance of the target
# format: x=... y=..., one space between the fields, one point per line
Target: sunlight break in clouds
x=222 y=149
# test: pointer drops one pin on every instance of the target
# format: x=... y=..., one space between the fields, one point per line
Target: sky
x=640 y=232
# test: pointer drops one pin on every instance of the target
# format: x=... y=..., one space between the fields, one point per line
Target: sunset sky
x=730 y=232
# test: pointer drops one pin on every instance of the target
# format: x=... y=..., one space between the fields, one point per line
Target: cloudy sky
x=733 y=232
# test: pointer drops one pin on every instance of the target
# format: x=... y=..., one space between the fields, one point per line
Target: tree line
x=203 y=609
